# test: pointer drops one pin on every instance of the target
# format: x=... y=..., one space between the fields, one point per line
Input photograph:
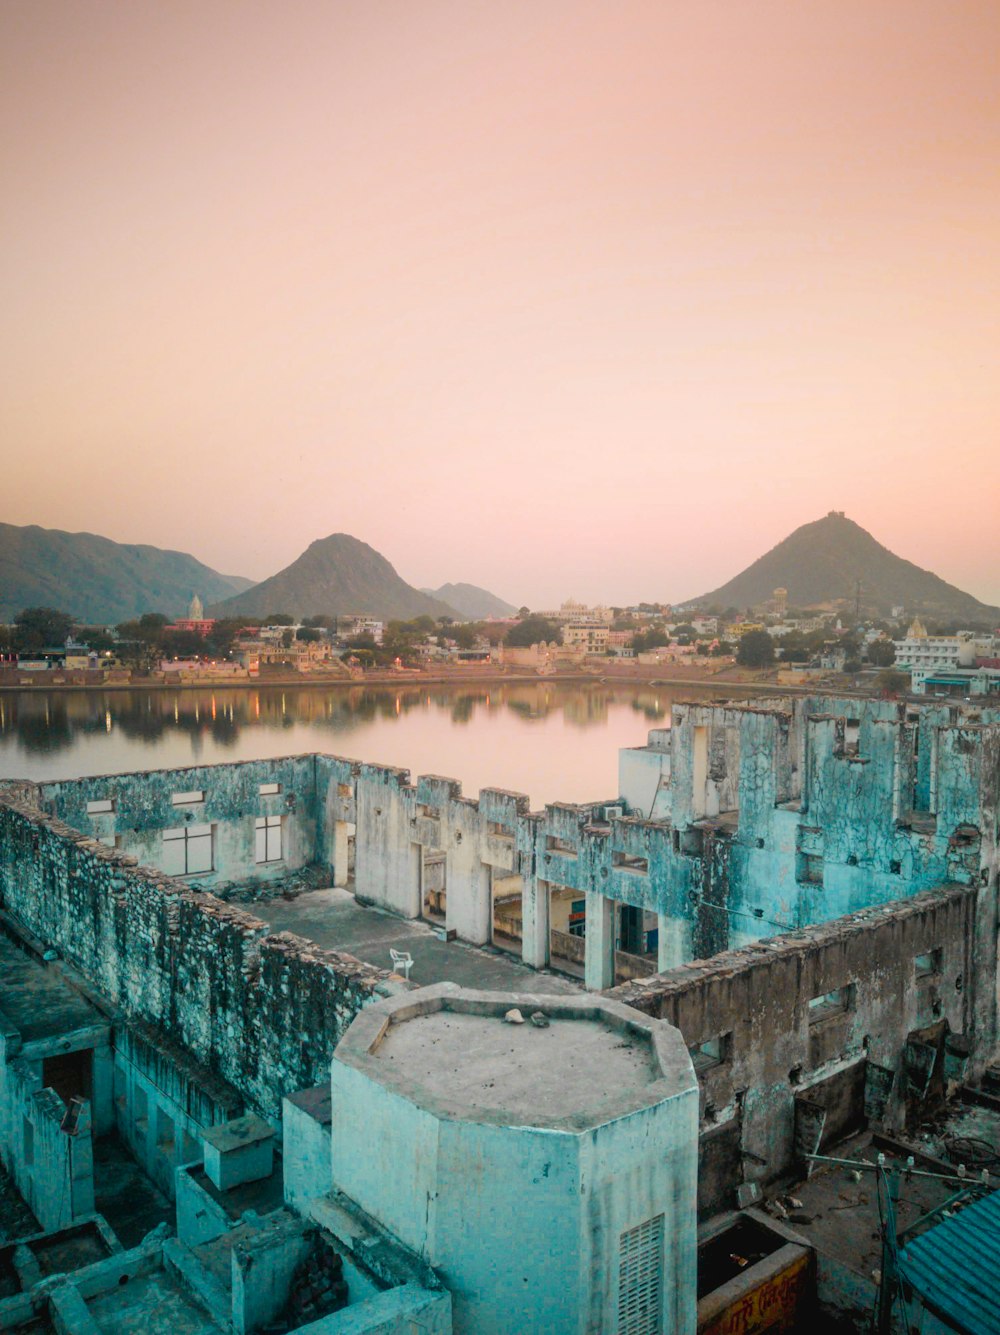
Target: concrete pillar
x=340 y=837
x=536 y=934
x=469 y=904
x=103 y=1094
x=599 y=960
x=672 y=947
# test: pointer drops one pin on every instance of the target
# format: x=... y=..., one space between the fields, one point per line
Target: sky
x=561 y=298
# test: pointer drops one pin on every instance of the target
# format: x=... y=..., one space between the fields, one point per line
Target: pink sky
x=560 y=298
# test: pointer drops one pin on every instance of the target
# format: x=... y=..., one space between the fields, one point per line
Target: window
x=98 y=808
x=640 y=1279
x=852 y=734
x=809 y=868
x=270 y=789
x=831 y=1003
x=267 y=841
x=165 y=1132
x=188 y=799
x=187 y=850
x=925 y=965
x=713 y=1052
x=627 y=862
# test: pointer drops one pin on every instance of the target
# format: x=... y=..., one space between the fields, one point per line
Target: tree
x=533 y=630
x=321 y=622
x=882 y=653
x=141 y=642
x=308 y=634
x=755 y=649
x=891 y=681
x=650 y=639
x=41 y=627
x=286 y=639
x=182 y=644
x=278 y=619
x=97 y=638
x=219 y=640
x=463 y=635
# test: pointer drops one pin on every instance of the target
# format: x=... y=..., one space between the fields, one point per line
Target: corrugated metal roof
x=955 y=1266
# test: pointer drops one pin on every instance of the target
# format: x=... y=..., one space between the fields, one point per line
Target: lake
x=553 y=741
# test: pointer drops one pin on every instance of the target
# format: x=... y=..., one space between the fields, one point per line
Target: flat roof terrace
x=335 y=920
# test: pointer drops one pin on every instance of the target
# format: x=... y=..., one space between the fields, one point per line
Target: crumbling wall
x=263 y=1013
x=789 y=1018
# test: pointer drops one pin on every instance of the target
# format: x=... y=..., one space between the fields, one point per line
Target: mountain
x=475 y=603
x=97 y=580
x=820 y=564
x=333 y=577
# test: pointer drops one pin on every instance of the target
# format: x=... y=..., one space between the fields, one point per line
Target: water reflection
x=526 y=735
x=46 y=723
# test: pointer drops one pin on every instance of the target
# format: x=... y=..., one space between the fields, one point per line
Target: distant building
x=196 y=621
x=350 y=627
x=579 y=614
x=589 y=635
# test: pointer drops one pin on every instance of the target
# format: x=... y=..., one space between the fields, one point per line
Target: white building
x=349 y=627
x=923 y=652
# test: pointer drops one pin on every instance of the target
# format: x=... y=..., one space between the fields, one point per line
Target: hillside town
x=789 y=646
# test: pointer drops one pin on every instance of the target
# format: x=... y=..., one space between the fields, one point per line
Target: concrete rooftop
x=519 y=1073
x=450 y=1051
x=334 y=919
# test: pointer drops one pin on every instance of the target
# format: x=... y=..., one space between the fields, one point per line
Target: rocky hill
x=820 y=563
x=100 y=581
x=335 y=576
x=475 y=603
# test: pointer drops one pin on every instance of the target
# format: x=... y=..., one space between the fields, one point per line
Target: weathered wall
x=754 y=1003
x=53 y=1171
x=143 y=809
x=261 y=1012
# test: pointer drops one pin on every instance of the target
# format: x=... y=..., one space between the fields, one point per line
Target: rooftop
x=452 y=1052
x=518 y=1073
x=335 y=920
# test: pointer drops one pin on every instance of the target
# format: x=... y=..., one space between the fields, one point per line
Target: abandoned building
x=302 y=1045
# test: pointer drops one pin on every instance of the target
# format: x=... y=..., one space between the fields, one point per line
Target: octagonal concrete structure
x=548 y=1173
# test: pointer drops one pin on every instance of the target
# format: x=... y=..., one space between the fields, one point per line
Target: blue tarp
x=955 y=1267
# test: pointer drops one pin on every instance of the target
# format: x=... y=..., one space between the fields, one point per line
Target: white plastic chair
x=402 y=962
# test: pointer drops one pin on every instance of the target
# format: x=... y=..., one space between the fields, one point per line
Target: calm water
x=551 y=741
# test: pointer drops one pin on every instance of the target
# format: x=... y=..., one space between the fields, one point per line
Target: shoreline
x=420 y=679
